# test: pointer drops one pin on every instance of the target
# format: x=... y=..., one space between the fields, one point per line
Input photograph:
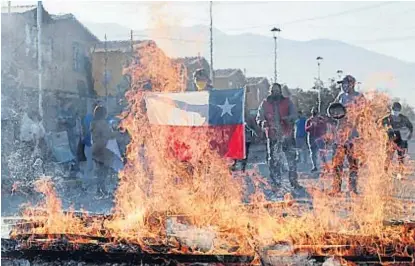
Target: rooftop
x=116 y=46
x=224 y=73
x=22 y=9
x=255 y=80
x=17 y=9
x=194 y=61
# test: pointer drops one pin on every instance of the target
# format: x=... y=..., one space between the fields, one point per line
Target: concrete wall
x=65 y=52
x=255 y=94
x=117 y=84
x=236 y=80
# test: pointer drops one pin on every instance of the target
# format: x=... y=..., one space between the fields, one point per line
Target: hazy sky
x=384 y=27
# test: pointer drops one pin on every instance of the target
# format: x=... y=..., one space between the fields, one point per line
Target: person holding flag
x=202 y=80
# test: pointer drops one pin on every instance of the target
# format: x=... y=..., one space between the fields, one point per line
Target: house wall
x=117 y=84
x=65 y=52
x=236 y=80
x=66 y=65
x=191 y=68
x=254 y=96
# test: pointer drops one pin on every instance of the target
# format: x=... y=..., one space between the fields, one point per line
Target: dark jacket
x=394 y=124
x=317 y=129
x=279 y=115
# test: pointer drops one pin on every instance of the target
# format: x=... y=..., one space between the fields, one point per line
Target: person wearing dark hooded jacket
x=276 y=116
x=101 y=133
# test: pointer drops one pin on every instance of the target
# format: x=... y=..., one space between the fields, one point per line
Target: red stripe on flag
x=183 y=141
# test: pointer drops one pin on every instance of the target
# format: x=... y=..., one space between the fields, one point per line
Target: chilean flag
x=215 y=116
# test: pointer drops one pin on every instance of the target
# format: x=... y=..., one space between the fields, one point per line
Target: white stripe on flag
x=178 y=109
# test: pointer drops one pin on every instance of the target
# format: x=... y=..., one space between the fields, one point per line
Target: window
x=230 y=84
x=77 y=57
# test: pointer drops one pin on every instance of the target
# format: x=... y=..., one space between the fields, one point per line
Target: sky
x=383 y=27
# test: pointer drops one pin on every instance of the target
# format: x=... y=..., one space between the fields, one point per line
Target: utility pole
x=39 y=56
x=9 y=7
x=319 y=83
x=212 y=74
x=106 y=78
x=275 y=32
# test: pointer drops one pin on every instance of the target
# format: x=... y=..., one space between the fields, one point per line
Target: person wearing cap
x=316 y=127
x=276 y=116
x=346 y=136
x=399 y=130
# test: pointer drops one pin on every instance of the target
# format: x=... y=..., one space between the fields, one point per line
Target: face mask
x=201 y=85
x=395 y=113
x=345 y=87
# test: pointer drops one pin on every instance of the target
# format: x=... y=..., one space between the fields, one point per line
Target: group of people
x=288 y=131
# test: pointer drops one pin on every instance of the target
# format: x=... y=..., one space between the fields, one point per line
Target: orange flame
x=161 y=200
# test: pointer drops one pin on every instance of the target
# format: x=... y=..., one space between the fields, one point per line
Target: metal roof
x=224 y=73
x=17 y=9
x=255 y=80
x=116 y=46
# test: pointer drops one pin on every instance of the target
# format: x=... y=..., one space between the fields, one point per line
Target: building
x=66 y=74
x=191 y=64
x=256 y=90
x=229 y=78
x=109 y=59
x=109 y=62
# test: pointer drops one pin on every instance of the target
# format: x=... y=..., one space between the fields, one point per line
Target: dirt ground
x=74 y=196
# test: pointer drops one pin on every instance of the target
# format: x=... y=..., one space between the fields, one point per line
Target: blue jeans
x=316 y=146
x=300 y=144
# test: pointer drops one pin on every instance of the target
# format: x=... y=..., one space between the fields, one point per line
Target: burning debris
x=171 y=211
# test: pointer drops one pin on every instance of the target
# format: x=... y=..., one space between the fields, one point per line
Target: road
x=73 y=196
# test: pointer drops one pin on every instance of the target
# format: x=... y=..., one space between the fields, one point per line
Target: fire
x=197 y=206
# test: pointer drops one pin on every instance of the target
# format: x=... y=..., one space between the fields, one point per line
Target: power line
x=170 y=38
x=345 y=12
x=394 y=39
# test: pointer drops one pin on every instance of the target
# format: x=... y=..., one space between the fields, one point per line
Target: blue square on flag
x=226 y=107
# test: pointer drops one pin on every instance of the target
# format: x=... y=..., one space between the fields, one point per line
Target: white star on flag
x=226 y=108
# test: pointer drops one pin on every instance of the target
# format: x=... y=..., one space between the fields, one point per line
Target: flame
x=197 y=205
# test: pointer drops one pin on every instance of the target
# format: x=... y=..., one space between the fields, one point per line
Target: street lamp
x=275 y=32
x=319 y=60
x=319 y=83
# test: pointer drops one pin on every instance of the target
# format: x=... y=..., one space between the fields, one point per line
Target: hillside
x=296 y=59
